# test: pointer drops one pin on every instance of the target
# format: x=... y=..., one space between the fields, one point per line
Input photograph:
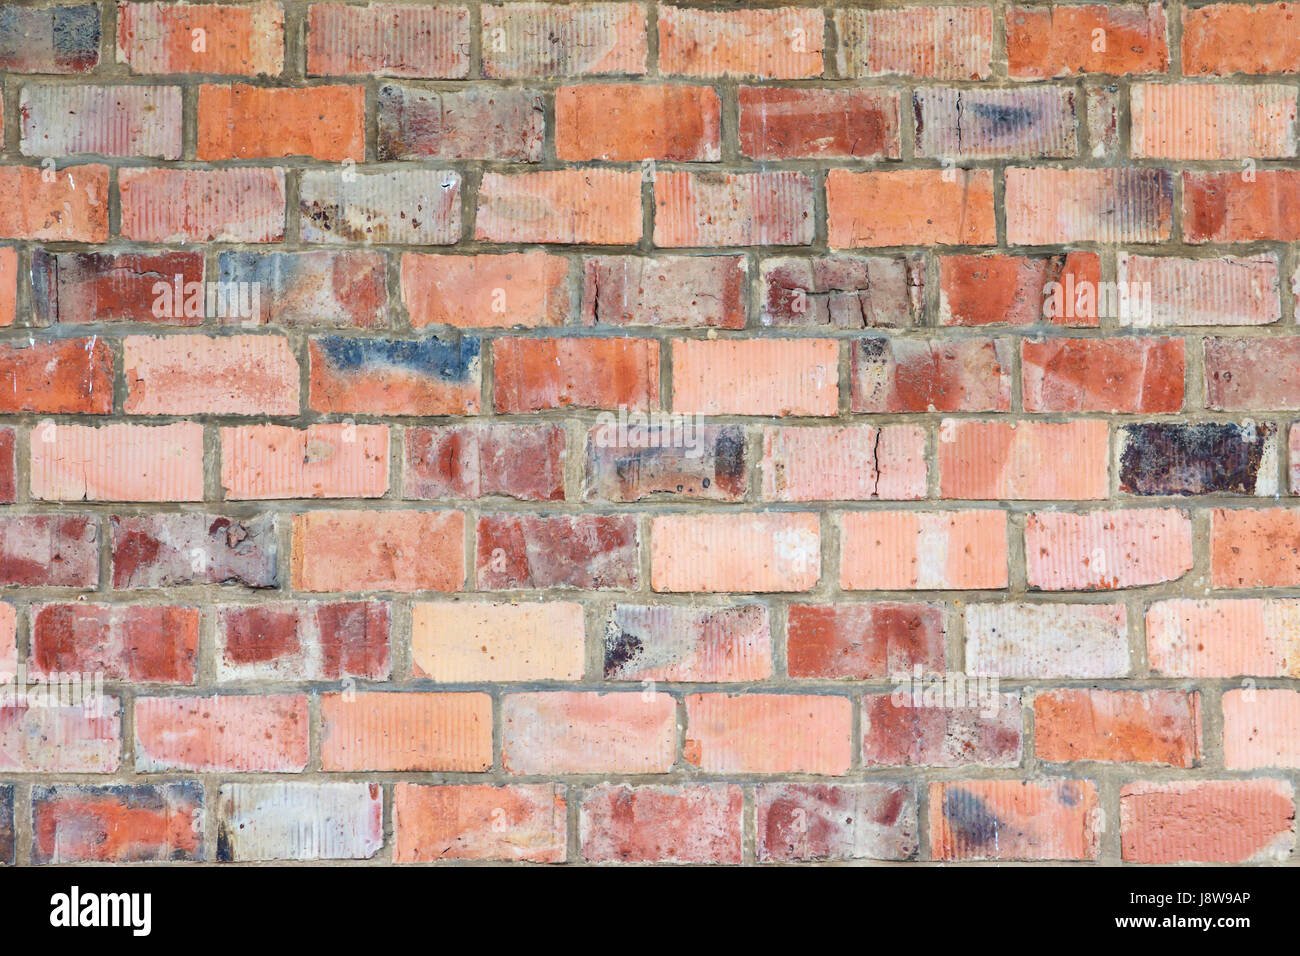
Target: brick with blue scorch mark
x=344 y=289
x=49 y=40
x=429 y=376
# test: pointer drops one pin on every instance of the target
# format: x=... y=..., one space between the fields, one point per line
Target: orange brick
x=479 y=822
x=679 y=123
x=1216 y=821
x=768 y=733
x=62 y=376
x=535 y=374
x=785 y=43
x=906 y=550
x=1097 y=38
x=244 y=39
x=1120 y=726
x=71 y=208
x=1254 y=548
x=910 y=208
x=406 y=731
x=735 y=552
x=486 y=291
x=1223 y=38
x=237 y=121
x=379 y=550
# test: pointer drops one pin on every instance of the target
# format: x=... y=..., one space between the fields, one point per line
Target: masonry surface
x=436 y=433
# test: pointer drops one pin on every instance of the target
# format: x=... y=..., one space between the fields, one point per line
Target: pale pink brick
x=1025 y=460
x=577 y=732
x=773 y=208
x=378 y=550
x=239 y=734
x=245 y=38
x=735 y=552
x=118 y=462
x=756 y=376
x=1224 y=290
x=326 y=460
x=1102 y=550
x=564 y=39
x=673 y=643
x=299 y=821
x=1047 y=641
x=769 y=733
x=1261 y=728
x=84 y=737
x=1216 y=821
x=598 y=206
x=800 y=822
x=1212 y=121
x=785 y=43
x=853 y=463
x=950 y=43
x=904 y=550
x=213 y=375
x=202 y=205
x=8 y=642
x=388 y=39
x=1046 y=206
x=462 y=642
x=406 y=731
x=1224 y=638
x=526 y=289
x=700 y=824
x=109 y=120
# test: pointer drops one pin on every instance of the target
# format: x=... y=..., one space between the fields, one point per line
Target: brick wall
x=962 y=528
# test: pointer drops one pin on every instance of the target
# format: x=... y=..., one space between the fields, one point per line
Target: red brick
x=77 y=287
x=591 y=552
x=1047 y=206
x=1023 y=460
x=678 y=123
x=106 y=120
x=237 y=121
x=756 y=376
x=1119 y=726
x=120 y=462
x=667 y=291
x=214 y=375
x=1103 y=375
x=910 y=207
x=768 y=733
x=949 y=43
x=475 y=461
x=564 y=39
x=1252 y=374
x=925 y=723
x=164 y=550
x=818 y=124
x=59 y=376
x=158 y=823
x=388 y=39
x=410 y=206
x=536 y=374
x=1213 y=821
x=140 y=643
x=1227 y=207
x=1030 y=122
x=783 y=43
x=1252 y=548
x=769 y=208
x=694 y=823
x=478 y=822
x=735 y=552
x=49 y=551
x=1223 y=38
x=919 y=375
x=460 y=642
x=1102 y=550
x=800 y=822
x=325 y=460
x=243 y=39
x=379 y=551
x=592 y=206
x=73 y=207
x=485 y=291
x=863 y=641
x=1063 y=40
x=648 y=460
x=305 y=641
x=673 y=643
x=1019 y=290
x=916 y=550
x=8 y=465
x=45 y=737
x=843 y=291
x=247 y=734
x=567 y=732
x=497 y=124
x=1014 y=820
x=857 y=462
x=406 y=731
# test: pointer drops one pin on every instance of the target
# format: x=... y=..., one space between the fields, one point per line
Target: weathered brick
x=756 y=376
x=145 y=643
x=1224 y=638
x=768 y=733
x=49 y=551
x=1223 y=38
x=379 y=551
x=594 y=206
x=1019 y=290
x=767 y=208
x=585 y=732
x=9 y=283
x=457 y=642
x=299 y=821
x=238 y=121
x=1097 y=38
x=107 y=120
x=243 y=39
x=49 y=737
x=57 y=376
x=1103 y=375
x=1197 y=458
x=1023 y=460
x=120 y=462
x=1252 y=548
x=236 y=734
x=388 y=39
x=694 y=644
x=1229 y=290
x=7 y=842
x=202 y=205
x=1259 y=728
x=910 y=207
x=306 y=289
x=801 y=822
x=303 y=641
x=404 y=206
x=476 y=461
x=71 y=206
x=735 y=552
x=1217 y=821
x=843 y=291
x=497 y=124
x=781 y=43
x=166 y=550
x=863 y=641
x=8 y=465
x=923 y=724
x=642 y=461
x=1231 y=207
x=406 y=731
x=8 y=641
x=915 y=550
x=677 y=123
x=62 y=39
x=536 y=374
x=693 y=823
x=1027 y=123
x=670 y=291
x=1232 y=121
x=564 y=39
x=158 y=823
x=818 y=124
x=477 y=822
x=1102 y=550
x=947 y=43
x=485 y=291
x=1047 y=641
x=1252 y=374
x=857 y=462
x=1118 y=726
x=590 y=552
x=384 y=376
x=1045 y=206
x=77 y=287
x=918 y=375
x=1014 y=820
x=215 y=375
x=1103 y=119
